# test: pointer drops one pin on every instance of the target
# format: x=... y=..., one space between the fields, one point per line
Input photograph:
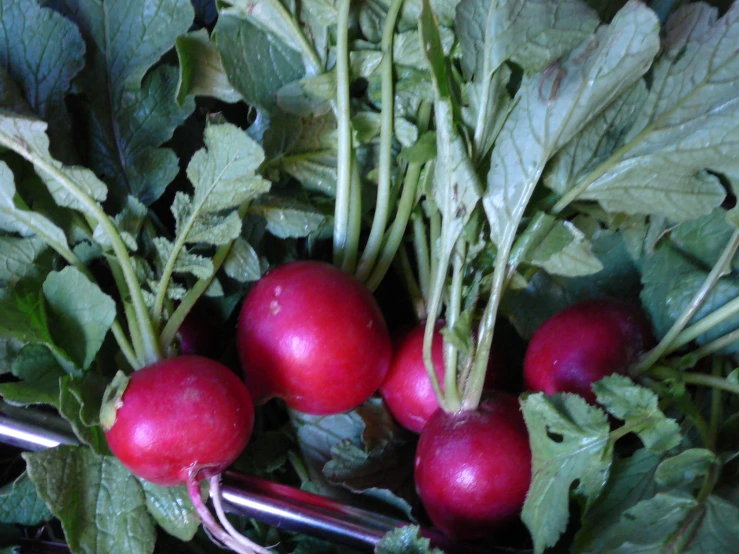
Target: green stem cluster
x=344 y=132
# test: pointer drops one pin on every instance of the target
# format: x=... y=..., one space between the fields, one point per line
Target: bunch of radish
x=314 y=336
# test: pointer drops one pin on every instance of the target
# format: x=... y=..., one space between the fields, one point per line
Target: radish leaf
x=102 y=506
x=130 y=115
x=638 y=407
x=21 y=504
x=43 y=71
x=172 y=509
x=569 y=443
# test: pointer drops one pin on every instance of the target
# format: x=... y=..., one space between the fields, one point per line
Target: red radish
x=473 y=468
x=314 y=336
x=584 y=343
x=176 y=417
x=407 y=388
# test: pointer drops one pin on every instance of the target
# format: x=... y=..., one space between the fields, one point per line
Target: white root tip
x=215 y=494
x=217 y=533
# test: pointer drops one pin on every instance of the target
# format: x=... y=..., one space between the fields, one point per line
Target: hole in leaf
x=555 y=437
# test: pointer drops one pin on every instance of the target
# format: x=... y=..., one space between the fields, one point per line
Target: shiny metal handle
x=270 y=503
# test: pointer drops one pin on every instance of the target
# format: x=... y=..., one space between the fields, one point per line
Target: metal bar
x=268 y=502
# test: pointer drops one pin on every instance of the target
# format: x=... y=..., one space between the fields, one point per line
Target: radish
x=314 y=336
x=180 y=421
x=407 y=389
x=584 y=343
x=473 y=467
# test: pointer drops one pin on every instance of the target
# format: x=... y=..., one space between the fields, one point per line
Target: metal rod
x=268 y=502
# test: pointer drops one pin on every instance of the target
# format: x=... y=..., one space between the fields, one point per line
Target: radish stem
x=406 y=272
x=454 y=309
x=403 y=212
x=692 y=378
x=210 y=524
x=355 y=220
x=421 y=245
x=215 y=494
x=716 y=345
x=344 y=128
x=382 y=205
x=193 y=295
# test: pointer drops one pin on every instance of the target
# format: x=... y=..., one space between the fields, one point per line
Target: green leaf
x=16 y=218
x=381 y=466
x=676 y=523
x=461 y=335
x=28 y=138
x=172 y=509
x=545 y=294
x=683 y=470
x=317 y=435
x=128 y=222
x=456 y=187
x=670 y=282
x=569 y=443
x=269 y=16
x=257 y=63
x=223 y=173
x=406 y=539
x=630 y=482
x=9 y=348
x=17 y=257
x=201 y=69
x=207 y=228
x=186 y=262
x=564 y=251
x=82 y=313
x=288 y=218
x=308 y=97
x=23 y=317
x=686 y=126
x=422 y=151
x=531 y=33
x=705 y=237
x=79 y=404
x=638 y=408
x=21 y=504
x=11 y=98
x=101 y=506
x=555 y=105
x=597 y=141
x=407 y=48
x=129 y=119
x=39 y=372
x=242 y=262
x=42 y=69
x=310 y=156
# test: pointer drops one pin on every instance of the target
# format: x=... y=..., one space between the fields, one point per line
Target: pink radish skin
x=473 y=468
x=314 y=336
x=584 y=343
x=181 y=416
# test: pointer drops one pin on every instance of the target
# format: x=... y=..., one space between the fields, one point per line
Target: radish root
x=228 y=537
